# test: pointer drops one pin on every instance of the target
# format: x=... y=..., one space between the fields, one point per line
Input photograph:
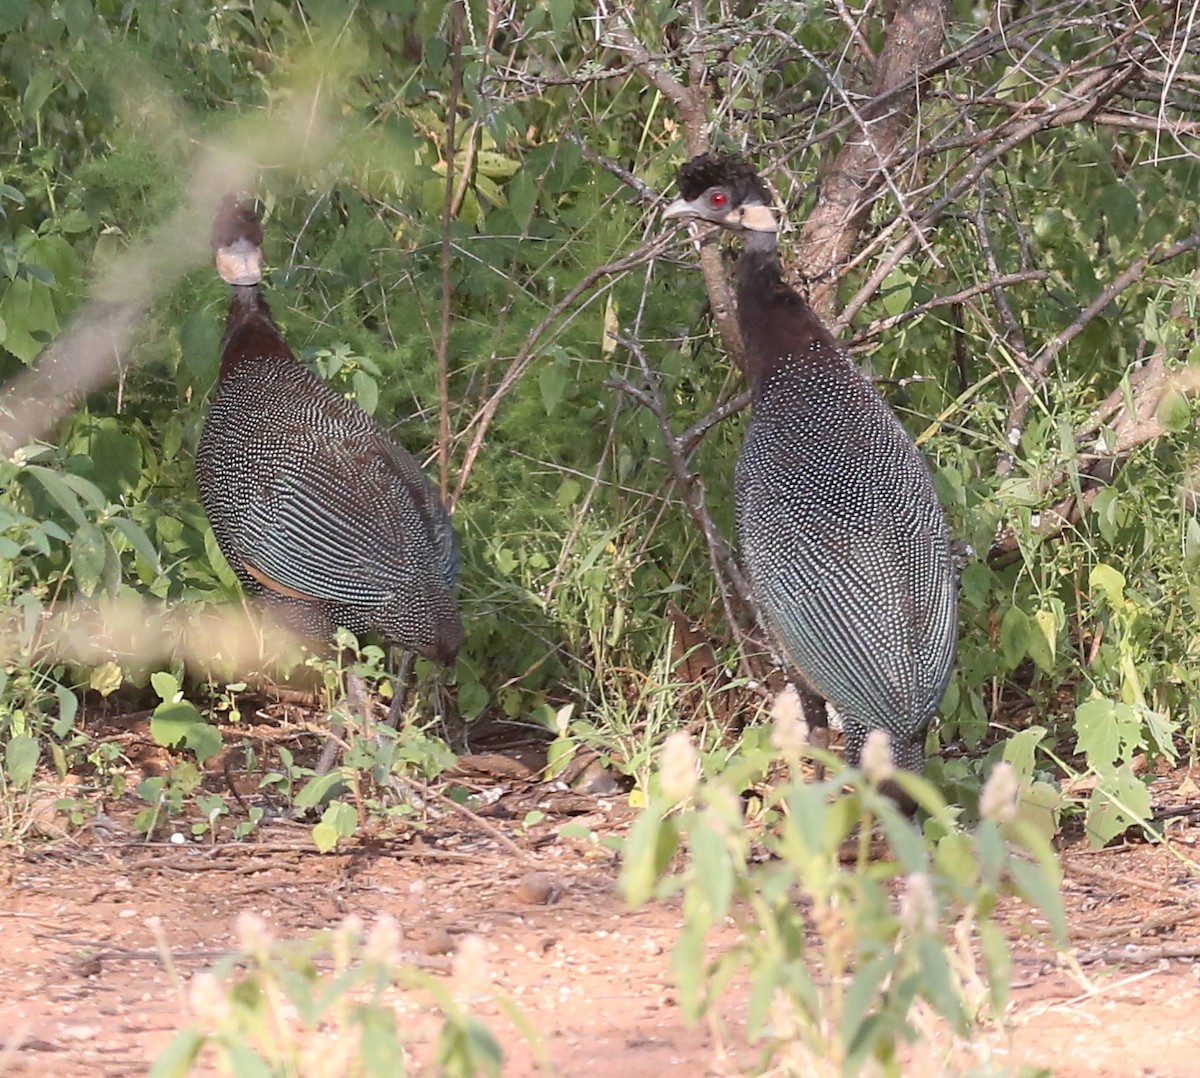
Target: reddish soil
x=84 y=989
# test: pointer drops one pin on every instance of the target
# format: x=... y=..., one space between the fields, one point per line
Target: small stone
x=86 y=965
x=439 y=941
x=596 y=779
x=45 y=818
x=539 y=888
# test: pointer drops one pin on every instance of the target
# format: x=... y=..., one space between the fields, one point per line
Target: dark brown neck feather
x=251 y=333
x=778 y=326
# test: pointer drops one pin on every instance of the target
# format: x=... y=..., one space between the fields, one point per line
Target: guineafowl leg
x=816 y=718
x=400 y=689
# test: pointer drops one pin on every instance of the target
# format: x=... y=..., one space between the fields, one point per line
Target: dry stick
x=644 y=191
x=1139 y=954
x=584 y=506
x=692 y=102
x=721 y=560
x=1147 y=385
x=914 y=38
x=860 y=339
x=501 y=838
x=448 y=209
x=482 y=420
x=1092 y=91
x=1049 y=352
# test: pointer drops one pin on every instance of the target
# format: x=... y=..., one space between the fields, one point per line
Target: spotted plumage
x=323 y=517
x=844 y=540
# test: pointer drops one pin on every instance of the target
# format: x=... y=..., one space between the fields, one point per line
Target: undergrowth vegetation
x=472 y=189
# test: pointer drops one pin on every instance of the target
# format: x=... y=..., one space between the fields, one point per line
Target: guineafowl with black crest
x=326 y=521
x=841 y=532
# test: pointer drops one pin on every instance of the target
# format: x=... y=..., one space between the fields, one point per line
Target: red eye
x=718 y=199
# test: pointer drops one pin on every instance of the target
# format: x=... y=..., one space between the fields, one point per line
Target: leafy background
x=536 y=276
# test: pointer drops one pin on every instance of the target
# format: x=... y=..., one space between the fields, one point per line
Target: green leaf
x=559 y=754
x=212 y=553
x=200 y=343
x=138 y=539
x=651 y=844
x=68 y=708
x=41 y=85
x=52 y=483
x=1108 y=582
x=27 y=308
x=1174 y=411
x=1116 y=804
x=21 y=758
x=1036 y=886
x=1020 y=749
x=472 y=699
x=12 y=14
x=861 y=998
x=366 y=392
x=714 y=871
x=324 y=836
x=88 y=552
x=177 y=1059
x=166 y=685
x=317 y=789
x=561 y=14
x=1014 y=636
x=1043 y=639
x=552 y=380
x=178 y=723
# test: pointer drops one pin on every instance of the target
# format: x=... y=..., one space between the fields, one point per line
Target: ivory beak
x=681 y=207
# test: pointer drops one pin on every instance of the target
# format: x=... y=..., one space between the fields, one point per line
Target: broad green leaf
x=1109 y=583
x=560 y=752
x=324 y=836
x=166 y=685
x=713 y=868
x=552 y=380
x=21 y=758
x=651 y=844
x=366 y=392
x=316 y=790
x=138 y=539
x=1043 y=639
x=68 y=708
x=1014 y=636
x=178 y=723
x=1117 y=803
x=88 y=552
x=52 y=482
x=472 y=699
x=1020 y=749
x=177 y=1059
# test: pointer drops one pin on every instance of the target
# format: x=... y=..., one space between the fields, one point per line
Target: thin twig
x=482 y=420
x=448 y=211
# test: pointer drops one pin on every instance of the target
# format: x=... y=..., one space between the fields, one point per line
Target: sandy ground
x=84 y=989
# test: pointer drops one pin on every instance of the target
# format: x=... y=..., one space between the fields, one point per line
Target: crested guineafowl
x=841 y=532
x=323 y=517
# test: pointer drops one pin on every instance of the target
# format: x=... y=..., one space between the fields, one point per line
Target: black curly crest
x=734 y=173
x=236 y=221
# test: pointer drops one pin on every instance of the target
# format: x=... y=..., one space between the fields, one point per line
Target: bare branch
x=1046 y=356
x=832 y=229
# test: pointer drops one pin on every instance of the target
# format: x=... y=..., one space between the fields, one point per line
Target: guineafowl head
x=725 y=191
x=237 y=242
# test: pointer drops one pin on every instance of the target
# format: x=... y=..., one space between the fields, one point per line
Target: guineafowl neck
x=251 y=332
x=779 y=328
